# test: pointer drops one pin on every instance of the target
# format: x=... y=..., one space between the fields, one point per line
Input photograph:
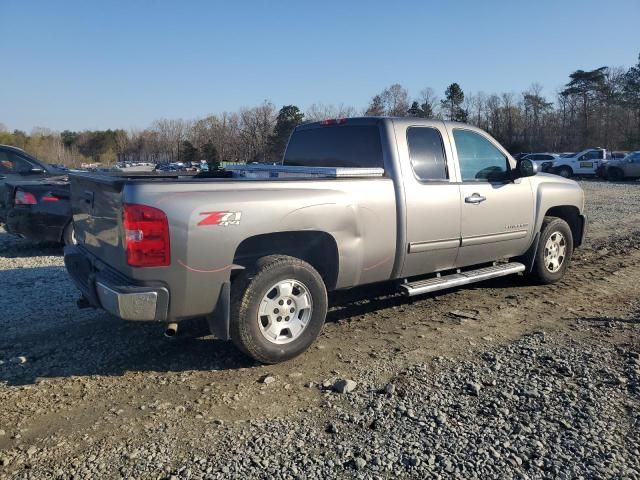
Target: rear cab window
x=347 y=146
x=426 y=154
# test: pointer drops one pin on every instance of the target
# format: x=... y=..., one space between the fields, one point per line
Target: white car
x=543 y=160
x=585 y=162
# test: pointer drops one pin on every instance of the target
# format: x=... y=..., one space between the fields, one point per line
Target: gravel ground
x=505 y=379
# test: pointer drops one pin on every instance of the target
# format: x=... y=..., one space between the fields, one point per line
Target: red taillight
x=49 y=197
x=146 y=236
x=24 y=198
x=333 y=121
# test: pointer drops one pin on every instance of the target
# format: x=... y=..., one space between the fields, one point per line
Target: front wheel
x=565 y=172
x=278 y=308
x=555 y=248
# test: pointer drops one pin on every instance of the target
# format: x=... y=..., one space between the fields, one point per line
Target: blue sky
x=89 y=64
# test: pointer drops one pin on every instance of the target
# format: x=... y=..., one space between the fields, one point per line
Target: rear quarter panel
x=360 y=214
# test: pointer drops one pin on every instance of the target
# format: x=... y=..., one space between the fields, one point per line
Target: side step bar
x=463 y=278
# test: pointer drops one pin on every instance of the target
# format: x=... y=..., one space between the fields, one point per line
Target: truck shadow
x=16 y=247
x=55 y=339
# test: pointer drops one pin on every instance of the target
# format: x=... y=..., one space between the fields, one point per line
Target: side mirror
x=526 y=168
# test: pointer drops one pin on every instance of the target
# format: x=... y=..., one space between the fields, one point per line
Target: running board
x=462 y=278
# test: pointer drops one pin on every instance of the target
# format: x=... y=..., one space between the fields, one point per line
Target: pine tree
x=288 y=118
x=210 y=154
x=189 y=152
x=376 y=107
x=454 y=96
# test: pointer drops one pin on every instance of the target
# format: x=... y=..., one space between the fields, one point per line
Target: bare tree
x=320 y=111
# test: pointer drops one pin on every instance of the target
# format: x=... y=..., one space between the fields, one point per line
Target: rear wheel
x=69 y=235
x=555 y=248
x=565 y=172
x=278 y=308
x=615 y=174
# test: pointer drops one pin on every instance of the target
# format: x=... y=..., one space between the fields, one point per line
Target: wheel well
x=571 y=215
x=317 y=248
x=567 y=167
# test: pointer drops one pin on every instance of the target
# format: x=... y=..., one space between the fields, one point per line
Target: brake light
x=49 y=197
x=146 y=236
x=333 y=121
x=24 y=198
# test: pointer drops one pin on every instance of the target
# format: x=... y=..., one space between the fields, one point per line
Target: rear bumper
x=105 y=288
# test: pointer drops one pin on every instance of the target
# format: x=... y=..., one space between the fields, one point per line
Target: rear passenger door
x=496 y=212
x=432 y=197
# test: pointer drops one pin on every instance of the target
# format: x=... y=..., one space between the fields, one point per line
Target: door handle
x=475 y=199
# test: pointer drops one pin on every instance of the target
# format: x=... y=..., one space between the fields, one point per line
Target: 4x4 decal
x=223 y=219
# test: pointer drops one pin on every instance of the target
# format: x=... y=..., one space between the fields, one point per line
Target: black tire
x=68 y=235
x=565 y=172
x=615 y=174
x=252 y=286
x=542 y=271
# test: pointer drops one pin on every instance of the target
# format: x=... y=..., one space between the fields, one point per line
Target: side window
x=13 y=163
x=479 y=159
x=593 y=155
x=426 y=153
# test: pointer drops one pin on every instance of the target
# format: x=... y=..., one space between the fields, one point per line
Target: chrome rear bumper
x=104 y=288
x=127 y=305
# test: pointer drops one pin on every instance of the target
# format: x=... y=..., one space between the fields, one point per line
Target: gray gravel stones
x=344 y=386
x=533 y=418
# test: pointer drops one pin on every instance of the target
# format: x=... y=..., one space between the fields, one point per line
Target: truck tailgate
x=96 y=203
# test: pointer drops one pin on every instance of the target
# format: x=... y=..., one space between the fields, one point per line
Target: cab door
x=587 y=163
x=432 y=197
x=497 y=212
x=632 y=169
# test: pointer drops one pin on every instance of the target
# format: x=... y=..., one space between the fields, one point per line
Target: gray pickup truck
x=423 y=204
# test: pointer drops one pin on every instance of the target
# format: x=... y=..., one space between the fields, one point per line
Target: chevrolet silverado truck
x=424 y=205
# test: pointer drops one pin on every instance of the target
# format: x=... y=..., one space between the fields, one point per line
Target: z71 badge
x=223 y=219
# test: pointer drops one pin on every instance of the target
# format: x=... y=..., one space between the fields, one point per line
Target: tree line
x=595 y=108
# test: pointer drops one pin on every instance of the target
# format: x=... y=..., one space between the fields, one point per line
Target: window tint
x=593 y=155
x=11 y=162
x=335 y=146
x=479 y=159
x=426 y=152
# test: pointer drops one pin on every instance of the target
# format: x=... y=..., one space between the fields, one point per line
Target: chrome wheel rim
x=564 y=173
x=555 y=252
x=285 y=311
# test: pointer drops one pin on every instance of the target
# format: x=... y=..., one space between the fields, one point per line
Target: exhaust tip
x=171 y=331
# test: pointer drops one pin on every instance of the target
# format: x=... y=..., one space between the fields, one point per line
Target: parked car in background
x=17 y=165
x=585 y=162
x=618 y=155
x=40 y=210
x=543 y=160
x=423 y=204
x=627 y=168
